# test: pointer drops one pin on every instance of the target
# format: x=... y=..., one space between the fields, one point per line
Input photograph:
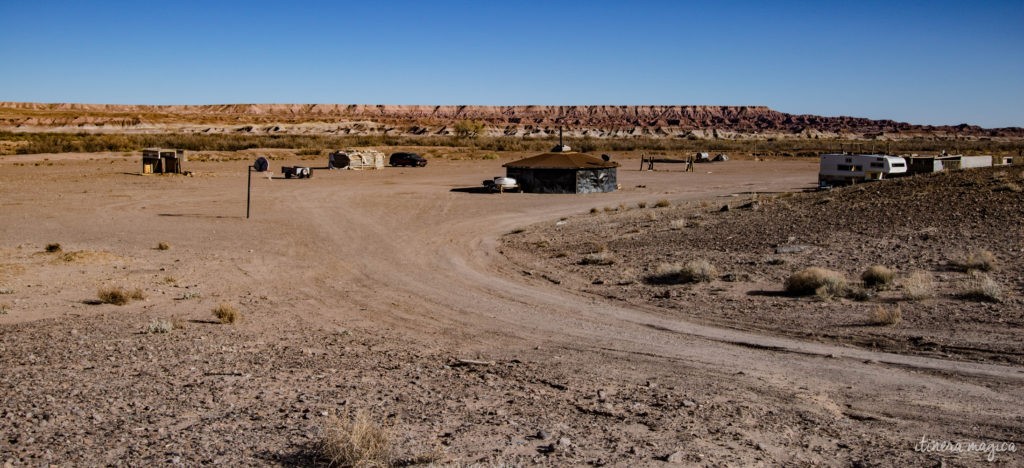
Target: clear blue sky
x=940 y=62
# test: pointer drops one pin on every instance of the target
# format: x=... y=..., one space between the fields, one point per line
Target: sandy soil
x=361 y=290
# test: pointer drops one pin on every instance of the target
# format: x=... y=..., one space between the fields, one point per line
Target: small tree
x=468 y=128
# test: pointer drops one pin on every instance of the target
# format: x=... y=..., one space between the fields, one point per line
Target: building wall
x=544 y=180
x=596 y=180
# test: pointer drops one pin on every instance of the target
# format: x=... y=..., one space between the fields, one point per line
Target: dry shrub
x=882 y=315
x=1009 y=187
x=918 y=286
x=53 y=248
x=679 y=224
x=662 y=203
x=877 y=276
x=137 y=294
x=598 y=258
x=226 y=313
x=158 y=326
x=642 y=204
x=114 y=295
x=356 y=441
x=163 y=246
x=594 y=211
x=814 y=280
x=694 y=271
x=982 y=287
x=980 y=260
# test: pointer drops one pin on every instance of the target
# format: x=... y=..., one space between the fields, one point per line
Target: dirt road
x=405 y=257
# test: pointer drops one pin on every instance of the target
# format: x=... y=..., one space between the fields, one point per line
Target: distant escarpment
x=399 y=120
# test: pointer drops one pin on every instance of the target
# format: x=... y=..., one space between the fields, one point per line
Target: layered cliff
x=597 y=121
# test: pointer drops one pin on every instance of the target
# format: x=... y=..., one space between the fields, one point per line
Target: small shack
x=929 y=164
x=564 y=172
x=162 y=161
x=356 y=159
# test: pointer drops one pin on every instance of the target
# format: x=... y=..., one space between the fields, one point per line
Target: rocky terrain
x=925 y=224
x=399 y=293
x=748 y=122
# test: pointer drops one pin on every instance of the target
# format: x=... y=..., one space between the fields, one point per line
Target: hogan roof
x=567 y=160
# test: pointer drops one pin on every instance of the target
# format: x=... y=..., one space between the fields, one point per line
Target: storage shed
x=564 y=172
x=356 y=159
x=162 y=161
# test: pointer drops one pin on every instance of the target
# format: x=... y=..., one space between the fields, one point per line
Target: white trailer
x=842 y=169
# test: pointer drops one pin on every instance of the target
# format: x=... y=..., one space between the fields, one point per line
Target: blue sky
x=921 y=62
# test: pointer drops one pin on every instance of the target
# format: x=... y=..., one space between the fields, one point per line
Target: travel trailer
x=842 y=169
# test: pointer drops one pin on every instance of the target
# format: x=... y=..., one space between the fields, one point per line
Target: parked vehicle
x=407 y=159
x=297 y=171
x=842 y=169
x=501 y=184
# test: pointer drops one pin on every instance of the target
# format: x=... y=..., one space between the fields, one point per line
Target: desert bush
x=918 y=286
x=662 y=203
x=858 y=293
x=53 y=248
x=159 y=326
x=679 y=224
x=594 y=210
x=982 y=287
x=357 y=441
x=163 y=246
x=114 y=295
x=694 y=271
x=6 y=291
x=814 y=280
x=980 y=260
x=877 y=276
x=882 y=315
x=1009 y=187
x=137 y=294
x=598 y=258
x=642 y=204
x=4 y=308
x=226 y=313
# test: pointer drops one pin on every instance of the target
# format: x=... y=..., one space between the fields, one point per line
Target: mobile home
x=840 y=169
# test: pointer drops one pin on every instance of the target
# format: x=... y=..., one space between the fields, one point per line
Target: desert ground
x=463 y=323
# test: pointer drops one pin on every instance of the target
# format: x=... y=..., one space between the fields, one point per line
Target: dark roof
x=568 y=160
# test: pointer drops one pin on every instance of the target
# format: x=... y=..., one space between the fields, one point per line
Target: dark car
x=407 y=159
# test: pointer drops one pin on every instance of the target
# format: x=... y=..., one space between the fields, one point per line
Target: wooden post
x=248 y=193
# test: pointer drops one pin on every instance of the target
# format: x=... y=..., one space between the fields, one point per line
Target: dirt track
x=413 y=270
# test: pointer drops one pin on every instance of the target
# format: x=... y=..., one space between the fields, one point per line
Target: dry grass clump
x=882 y=315
x=1009 y=187
x=982 y=287
x=878 y=277
x=694 y=271
x=642 y=204
x=598 y=258
x=594 y=210
x=679 y=224
x=662 y=203
x=356 y=441
x=158 y=326
x=4 y=308
x=815 y=280
x=114 y=295
x=226 y=313
x=918 y=286
x=53 y=248
x=163 y=246
x=980 y=260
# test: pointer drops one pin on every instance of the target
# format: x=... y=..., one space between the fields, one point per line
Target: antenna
x=559 y=136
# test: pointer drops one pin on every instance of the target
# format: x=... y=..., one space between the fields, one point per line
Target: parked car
x=407 y=159
x=502 y=184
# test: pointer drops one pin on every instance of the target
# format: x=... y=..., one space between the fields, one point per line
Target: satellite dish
x=261 y=164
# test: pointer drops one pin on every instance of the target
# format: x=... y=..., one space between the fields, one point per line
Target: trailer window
x=899 y=165
x=844 y=167
x=877 y=164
